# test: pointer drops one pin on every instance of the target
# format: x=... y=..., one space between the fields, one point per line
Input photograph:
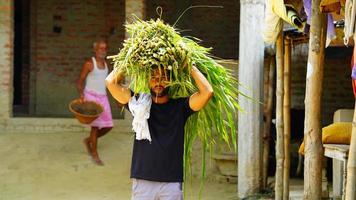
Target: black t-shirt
x=162 y=159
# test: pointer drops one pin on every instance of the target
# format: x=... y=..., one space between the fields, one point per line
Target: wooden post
x=351 y=164
x=312 y=130
x=265 y=139
x=286 y=117
x=268 y=117
x=251 y=59
x=279 y=119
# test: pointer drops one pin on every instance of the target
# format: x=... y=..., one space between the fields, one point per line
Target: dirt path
x=56 y=167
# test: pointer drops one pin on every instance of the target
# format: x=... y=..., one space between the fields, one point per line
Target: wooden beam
x=351 y=165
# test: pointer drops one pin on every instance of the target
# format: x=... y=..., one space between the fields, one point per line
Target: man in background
x=91 y=87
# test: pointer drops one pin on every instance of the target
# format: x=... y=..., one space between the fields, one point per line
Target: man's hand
x=193 y=68
x=81 y=98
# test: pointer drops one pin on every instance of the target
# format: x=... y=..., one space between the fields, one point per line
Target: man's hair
x=165 y=71
x=100 y=40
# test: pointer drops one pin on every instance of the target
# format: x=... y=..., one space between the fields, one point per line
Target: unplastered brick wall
x=6 y=57
x=337 y=89
x=134 y=8
x=216 y=27
x=64 y=32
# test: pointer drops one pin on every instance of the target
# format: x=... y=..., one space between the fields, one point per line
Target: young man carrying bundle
x=157 y=160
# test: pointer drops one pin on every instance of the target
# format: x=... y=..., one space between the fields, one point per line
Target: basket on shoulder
x=85 y=111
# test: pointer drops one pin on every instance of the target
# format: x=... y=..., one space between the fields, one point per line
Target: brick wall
x=337 y=89
x=216 y=27
x=6 y=55
x=135 y=7
x=56 y=58
x=64 y=32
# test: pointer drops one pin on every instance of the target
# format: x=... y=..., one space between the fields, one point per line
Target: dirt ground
x=55 y=166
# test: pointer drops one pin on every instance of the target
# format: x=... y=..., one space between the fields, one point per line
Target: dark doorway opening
x=21 y=57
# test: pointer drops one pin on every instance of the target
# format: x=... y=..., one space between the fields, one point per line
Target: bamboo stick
x=312 y=129
x=279 y=119
x=286 y=117
x=268 y=118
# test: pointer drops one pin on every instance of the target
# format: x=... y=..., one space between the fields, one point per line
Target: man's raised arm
x=199 y=99
x=120 y=93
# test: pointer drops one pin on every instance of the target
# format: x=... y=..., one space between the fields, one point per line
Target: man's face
x=101 y=50
x=158 y=83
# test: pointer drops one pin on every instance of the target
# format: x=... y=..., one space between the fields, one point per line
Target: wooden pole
x=279 y=119
x=351 y=164
x=286 y=116
x=265 y=139
x=250 y=122
x=312 y=129
x=268 y=118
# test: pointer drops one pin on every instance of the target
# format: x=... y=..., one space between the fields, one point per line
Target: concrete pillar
x=6 y=58
x=136 y=7
x=251 y=57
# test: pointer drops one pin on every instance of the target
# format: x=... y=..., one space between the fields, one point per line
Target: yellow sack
x=288 y=11
x=336 y=133
x=272 y=26
x=278 y=11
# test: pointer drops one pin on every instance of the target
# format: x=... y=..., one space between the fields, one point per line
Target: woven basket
x=85 y=111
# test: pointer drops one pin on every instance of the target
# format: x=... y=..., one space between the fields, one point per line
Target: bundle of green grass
x=154 y=43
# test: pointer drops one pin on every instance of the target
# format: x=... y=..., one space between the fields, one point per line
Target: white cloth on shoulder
x=140 y=109
x=350 y=15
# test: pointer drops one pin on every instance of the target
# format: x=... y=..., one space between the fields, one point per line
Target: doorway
x=21 y=58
